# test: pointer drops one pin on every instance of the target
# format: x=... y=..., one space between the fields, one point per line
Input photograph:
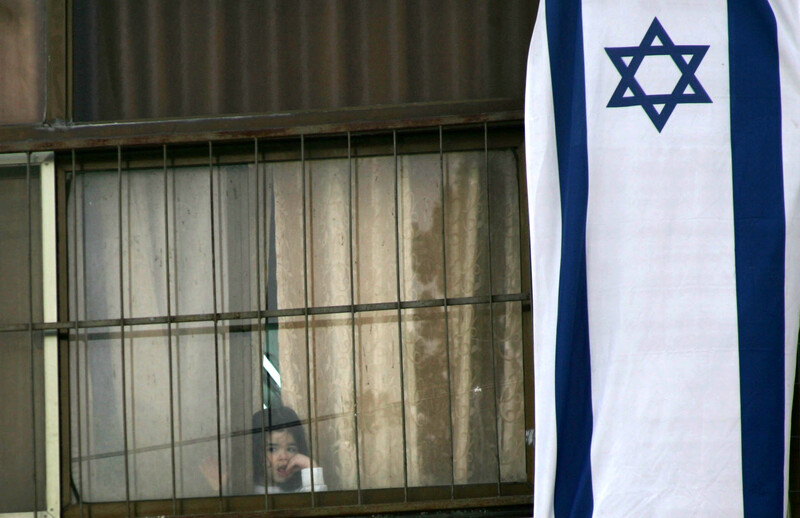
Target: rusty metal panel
x=137 y=59
x=94 y=135
x=22 y=61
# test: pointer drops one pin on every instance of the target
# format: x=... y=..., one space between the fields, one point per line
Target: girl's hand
x=297 y=463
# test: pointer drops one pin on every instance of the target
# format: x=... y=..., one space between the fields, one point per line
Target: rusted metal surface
x=159 y=59
x=57 y=59
x=81 y=136
x=22 y=61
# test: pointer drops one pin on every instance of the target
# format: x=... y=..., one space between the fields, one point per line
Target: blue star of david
x=688 y=89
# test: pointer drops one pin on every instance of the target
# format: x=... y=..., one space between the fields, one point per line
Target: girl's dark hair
x=272 y=420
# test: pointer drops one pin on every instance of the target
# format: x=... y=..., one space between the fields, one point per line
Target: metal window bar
x=171 y=374
x=287 y=312
x=262 y=346
x=309 y=361
x=122 y=335
x=29 y=202
x=443 y=201
x=306 y=337
x=491 y=304
x=351 y=211
x=215 y=320
x=76 y=328
x=400 y=313
x=267 y=256
x=84 y=267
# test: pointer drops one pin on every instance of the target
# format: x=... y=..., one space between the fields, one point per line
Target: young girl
x=288 y=463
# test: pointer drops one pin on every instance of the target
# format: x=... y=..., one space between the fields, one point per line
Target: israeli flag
x=663 y=154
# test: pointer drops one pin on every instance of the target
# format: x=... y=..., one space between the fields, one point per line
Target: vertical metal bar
x=525 y=316
x=353 y=309
x=261 y=341
x=216 y=323
x=399 y=312
x=446 y=313
x=122 y=334
x=267 y=256
x=169 y=334
x=175 y=273
x=30 y=327
x=85 y=304
x=269 y=197
x=305 y=313
x=76 y=317
x=491 y=298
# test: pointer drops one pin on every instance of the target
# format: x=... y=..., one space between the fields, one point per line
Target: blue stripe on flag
x=573 y=482
x=760 y=230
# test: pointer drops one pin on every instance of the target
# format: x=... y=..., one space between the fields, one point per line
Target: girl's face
x=280 y=450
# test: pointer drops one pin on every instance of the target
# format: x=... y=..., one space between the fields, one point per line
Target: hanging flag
x=663 y=159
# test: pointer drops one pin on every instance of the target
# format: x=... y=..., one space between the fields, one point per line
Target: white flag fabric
x=663 y=163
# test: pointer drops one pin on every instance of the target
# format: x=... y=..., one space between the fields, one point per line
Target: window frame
x=45 y=161
x=377 y=500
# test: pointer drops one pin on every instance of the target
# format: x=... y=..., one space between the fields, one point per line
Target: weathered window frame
x=342 y=502
x=44 y=161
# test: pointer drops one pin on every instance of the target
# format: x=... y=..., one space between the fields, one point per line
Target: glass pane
x=380 y=423
x=290 y=413
x=375 y=258
x=216 y=370
x=428 y=405
x=240 y=399
x=421 y=233
x=510 y=391
x=449 y=412
x=466 y=231
x=334 y=430
x=21 y=382
x=147 y=354
x=474 y=420
x=328 y=233
x=287 y=179
x=505 y=222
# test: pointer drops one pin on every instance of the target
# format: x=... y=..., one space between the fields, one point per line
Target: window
x=371 y=282
x=28 y=370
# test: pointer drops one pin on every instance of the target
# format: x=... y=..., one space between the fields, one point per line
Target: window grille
x=372 y=282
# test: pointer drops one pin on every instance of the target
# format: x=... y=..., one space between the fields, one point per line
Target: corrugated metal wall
x=22 y=61
x=139 y=59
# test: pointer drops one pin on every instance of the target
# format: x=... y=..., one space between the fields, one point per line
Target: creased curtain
x=214 y=378
x=462 y=391
x=464 y=405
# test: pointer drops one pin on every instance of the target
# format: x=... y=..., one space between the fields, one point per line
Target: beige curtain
x=463 y=406
x=21 y=352
x=208 y=386
x=375 y=421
